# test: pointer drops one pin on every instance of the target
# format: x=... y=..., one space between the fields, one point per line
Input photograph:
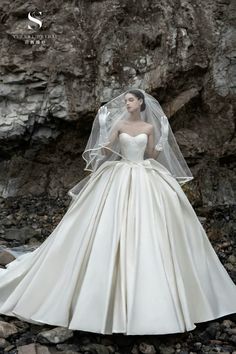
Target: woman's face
x=132 y=103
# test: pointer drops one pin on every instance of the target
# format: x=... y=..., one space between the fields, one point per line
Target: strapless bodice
x=133 y=147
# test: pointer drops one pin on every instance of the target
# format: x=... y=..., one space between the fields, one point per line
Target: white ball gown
x=129 y=256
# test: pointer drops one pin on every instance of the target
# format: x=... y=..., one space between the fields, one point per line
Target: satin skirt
x=129 y=256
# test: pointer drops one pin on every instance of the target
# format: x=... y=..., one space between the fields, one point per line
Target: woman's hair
x=139 y=95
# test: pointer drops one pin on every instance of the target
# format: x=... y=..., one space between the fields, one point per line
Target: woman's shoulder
x=149 y=127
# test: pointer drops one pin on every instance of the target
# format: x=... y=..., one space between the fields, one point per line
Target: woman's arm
x=112 y=138
x=150 y=149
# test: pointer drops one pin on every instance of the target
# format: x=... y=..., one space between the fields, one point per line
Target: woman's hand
x=103 y=115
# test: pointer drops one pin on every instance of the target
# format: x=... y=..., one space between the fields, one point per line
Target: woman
x=130 y=255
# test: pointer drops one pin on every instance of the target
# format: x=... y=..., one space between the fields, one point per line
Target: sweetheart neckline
x=134 y=135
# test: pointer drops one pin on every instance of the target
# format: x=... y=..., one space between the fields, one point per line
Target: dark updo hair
x=139 y=95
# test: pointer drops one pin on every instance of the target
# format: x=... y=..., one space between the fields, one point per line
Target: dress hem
x=38 y=322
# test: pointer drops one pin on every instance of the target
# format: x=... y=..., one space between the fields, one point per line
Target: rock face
x=179 y=51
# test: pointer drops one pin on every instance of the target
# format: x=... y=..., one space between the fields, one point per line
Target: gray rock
x=147 y=348
x=7 y=329
x=55 y=335
x=95 y=348
x=165 y=349
x=33 y=348
x=67 y=347
x=3 y=343
x=21 y=234
x=6 y=257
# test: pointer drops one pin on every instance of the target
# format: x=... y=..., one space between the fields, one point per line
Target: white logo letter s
x=33 y=19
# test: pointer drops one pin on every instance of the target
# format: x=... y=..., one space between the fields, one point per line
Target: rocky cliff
x=54 y=78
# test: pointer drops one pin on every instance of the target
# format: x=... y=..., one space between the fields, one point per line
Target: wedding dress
x=129 y=256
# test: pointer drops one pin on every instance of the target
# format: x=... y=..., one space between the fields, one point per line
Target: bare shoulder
x=149 y=127
x=117 y=127
x=120 y=125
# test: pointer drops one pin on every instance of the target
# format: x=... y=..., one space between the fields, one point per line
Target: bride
x=130 y=255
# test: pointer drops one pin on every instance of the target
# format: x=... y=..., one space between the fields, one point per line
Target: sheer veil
x=169 y=155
